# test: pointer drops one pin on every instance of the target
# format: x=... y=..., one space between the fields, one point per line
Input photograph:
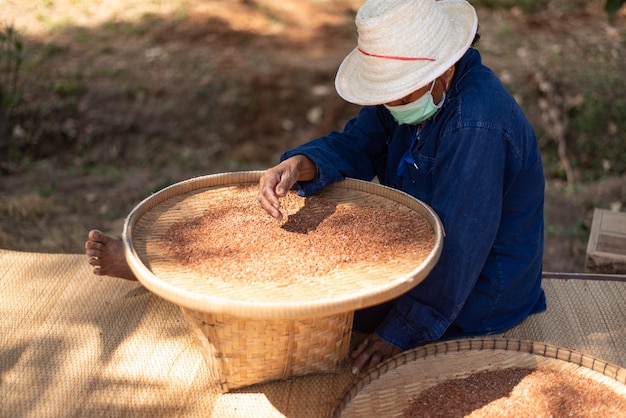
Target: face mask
x=417 y=111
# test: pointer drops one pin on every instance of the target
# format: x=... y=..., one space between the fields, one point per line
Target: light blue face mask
x=417 y=111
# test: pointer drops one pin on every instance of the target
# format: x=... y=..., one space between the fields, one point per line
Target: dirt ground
x=120 y=98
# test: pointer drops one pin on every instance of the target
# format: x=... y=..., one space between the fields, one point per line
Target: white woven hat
x=404 y=45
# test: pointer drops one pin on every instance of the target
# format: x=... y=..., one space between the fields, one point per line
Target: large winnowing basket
x=257 y=332
x=388 y=390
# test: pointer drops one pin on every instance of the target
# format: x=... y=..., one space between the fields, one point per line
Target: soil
x=121 y=98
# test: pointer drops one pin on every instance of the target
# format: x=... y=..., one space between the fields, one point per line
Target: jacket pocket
x=418 y=181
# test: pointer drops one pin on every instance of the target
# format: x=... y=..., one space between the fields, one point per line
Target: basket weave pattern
x=239 y=351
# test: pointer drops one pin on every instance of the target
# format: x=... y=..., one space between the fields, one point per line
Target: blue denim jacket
x=476 y=162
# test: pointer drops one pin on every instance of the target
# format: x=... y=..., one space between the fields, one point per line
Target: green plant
x=612 y=6
x=576 y=231
x=599 y=122
x=10 y=63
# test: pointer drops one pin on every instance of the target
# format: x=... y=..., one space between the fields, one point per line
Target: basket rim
x=283 y=309
x=412 y=357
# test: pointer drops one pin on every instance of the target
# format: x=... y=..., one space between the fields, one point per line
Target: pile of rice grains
x=518 y=392
x=235 y=239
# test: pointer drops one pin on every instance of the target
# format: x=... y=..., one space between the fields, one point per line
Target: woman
x=439 y=125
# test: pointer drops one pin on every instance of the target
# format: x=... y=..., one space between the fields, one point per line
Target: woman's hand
x=372 y=351
x=278 y=180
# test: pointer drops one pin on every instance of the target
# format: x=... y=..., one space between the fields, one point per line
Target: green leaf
x=612 y=6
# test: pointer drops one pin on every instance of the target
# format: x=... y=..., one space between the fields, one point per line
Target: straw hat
x=404 y=45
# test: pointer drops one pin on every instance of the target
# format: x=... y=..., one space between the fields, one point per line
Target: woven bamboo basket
x=388 y=389
x=261 y=331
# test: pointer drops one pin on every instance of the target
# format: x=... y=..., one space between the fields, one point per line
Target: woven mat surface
x=74 y=344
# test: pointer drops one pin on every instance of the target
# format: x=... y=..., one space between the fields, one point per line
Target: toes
x=93 y=234
x=96 y=235
x=100 y=236
x=105 y=239
x=93 y=249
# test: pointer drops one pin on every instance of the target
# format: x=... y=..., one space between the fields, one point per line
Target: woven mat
x=74 y=344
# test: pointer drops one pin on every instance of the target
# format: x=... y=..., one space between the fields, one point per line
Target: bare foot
x=106 y=255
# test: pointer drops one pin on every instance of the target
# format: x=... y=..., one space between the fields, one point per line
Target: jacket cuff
x=321 y=180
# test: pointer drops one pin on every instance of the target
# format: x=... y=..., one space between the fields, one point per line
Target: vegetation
x=576 y=104
x=530 y=6
x=10 y=63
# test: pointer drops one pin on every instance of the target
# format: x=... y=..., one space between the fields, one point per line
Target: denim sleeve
x=356 y=152
x=467 y=184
